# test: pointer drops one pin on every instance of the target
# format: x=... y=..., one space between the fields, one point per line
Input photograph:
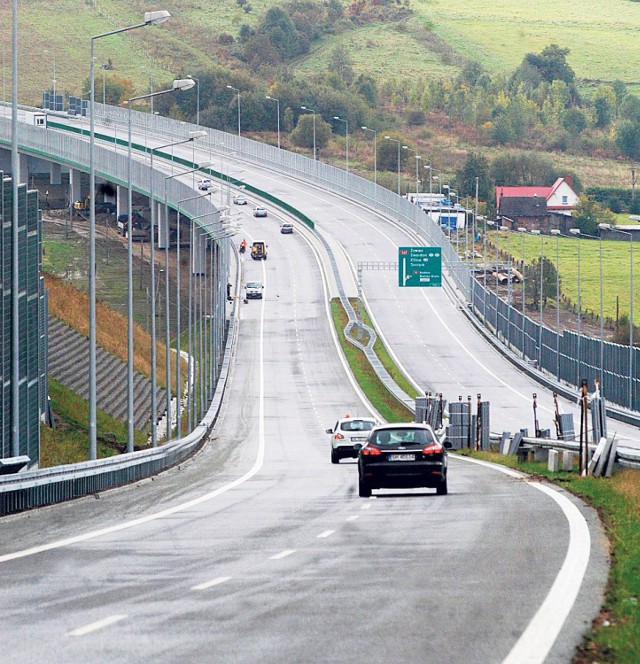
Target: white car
x=253 y=290
x=204 y=185
x=259 y=212
x=348 y=435
x=239 y=200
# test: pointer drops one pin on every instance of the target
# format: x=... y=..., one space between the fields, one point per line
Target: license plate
x=357 y=439
x=402 y=457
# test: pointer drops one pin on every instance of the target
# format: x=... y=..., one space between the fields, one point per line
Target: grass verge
x=615 y=634
x=68 y=442
x=383 y=401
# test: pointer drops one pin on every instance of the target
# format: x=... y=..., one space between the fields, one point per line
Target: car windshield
x=356 y=425
x=254 y=284
x=402 y=437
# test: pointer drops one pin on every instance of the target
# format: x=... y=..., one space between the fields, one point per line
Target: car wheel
x=364 y=490
x=441 y=489
x=335 y=457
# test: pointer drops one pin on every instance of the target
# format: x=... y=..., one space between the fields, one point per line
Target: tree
x=475 y=166
x=549 y=281
x=523 y=169
x=574 y=121
x=387 y=155
x=604 y=104
x=552 y=64
x=302 y=135
x=588 y=213
x=341 y=64
x=628 y=139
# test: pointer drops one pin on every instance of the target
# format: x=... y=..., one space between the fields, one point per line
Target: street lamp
x=437 y=177
x=305 y=108
x=538 y=232
x=197 y=80
x=395 y=140
x=524 y=293
x=230 y=87
x=178 y=84
x=193 y=135
x=579 y=233
x=205 y=164
x=375 y=154
x=612 y=228
x=149 y=18
x=418 y=157
x=278 y=112
x=346 y=130
x=557 y=233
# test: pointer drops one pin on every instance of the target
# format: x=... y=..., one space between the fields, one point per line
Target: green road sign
x=419 y=266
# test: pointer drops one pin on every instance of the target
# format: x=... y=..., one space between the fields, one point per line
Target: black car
x=401 y=456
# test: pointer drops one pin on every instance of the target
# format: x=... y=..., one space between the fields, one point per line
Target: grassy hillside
x=601 y=37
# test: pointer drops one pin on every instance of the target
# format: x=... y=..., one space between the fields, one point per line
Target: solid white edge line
x=541 y=633
x=98 y=624
x=257 y=465
x=210 y=584
x=282 y=554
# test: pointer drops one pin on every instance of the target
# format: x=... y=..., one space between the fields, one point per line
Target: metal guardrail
x=67 y=149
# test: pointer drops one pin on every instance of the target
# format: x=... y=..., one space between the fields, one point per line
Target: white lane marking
x=98 y=624
x=282 y=554
x=353 y=517
x=210 y=584
x=326 y=533
x=541 y=633
x=366 y=506
x=257 y=465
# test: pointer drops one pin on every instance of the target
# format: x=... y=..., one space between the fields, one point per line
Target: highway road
x=259 y=550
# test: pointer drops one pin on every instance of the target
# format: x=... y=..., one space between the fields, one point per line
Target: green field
x=615 y=268
x=601 y=36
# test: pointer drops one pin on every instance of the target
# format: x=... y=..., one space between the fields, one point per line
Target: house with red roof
x=537 y=207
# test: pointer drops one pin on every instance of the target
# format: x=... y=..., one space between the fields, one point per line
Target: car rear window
x=254 y=284
x=396 y=437
x=356 y=425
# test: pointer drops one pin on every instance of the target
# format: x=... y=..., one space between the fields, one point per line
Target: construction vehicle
x=259 y=251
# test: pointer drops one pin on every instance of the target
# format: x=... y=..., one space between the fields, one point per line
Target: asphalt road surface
x=259 y=550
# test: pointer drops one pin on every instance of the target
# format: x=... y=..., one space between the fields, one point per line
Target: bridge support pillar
x=122 y=200
x=162 y=219
x=75 y=185
x=54 y=173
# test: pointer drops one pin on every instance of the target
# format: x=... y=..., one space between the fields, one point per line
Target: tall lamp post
x=395 y=140
x=557 y=233
x=193 y=135
x=197 y=80
x=612 y=228
x=346 y=132
x=523 y=230
x=375 y=154
x=167 y=335
x=149 y=18
x=237 y=91
x=579 y=233
x=278 y=115
x=178 y=306
x=305 y=108
x=418 y=157
x=178 y=84
x=537 y=231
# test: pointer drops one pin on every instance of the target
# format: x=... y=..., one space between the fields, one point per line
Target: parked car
x=239 y=199
x=253 y=290
x=105 y=207
x=259 y=211
x=348 y=435
x=406 y=455
x=286 y=228
x=123 y=222
x=204 y=184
